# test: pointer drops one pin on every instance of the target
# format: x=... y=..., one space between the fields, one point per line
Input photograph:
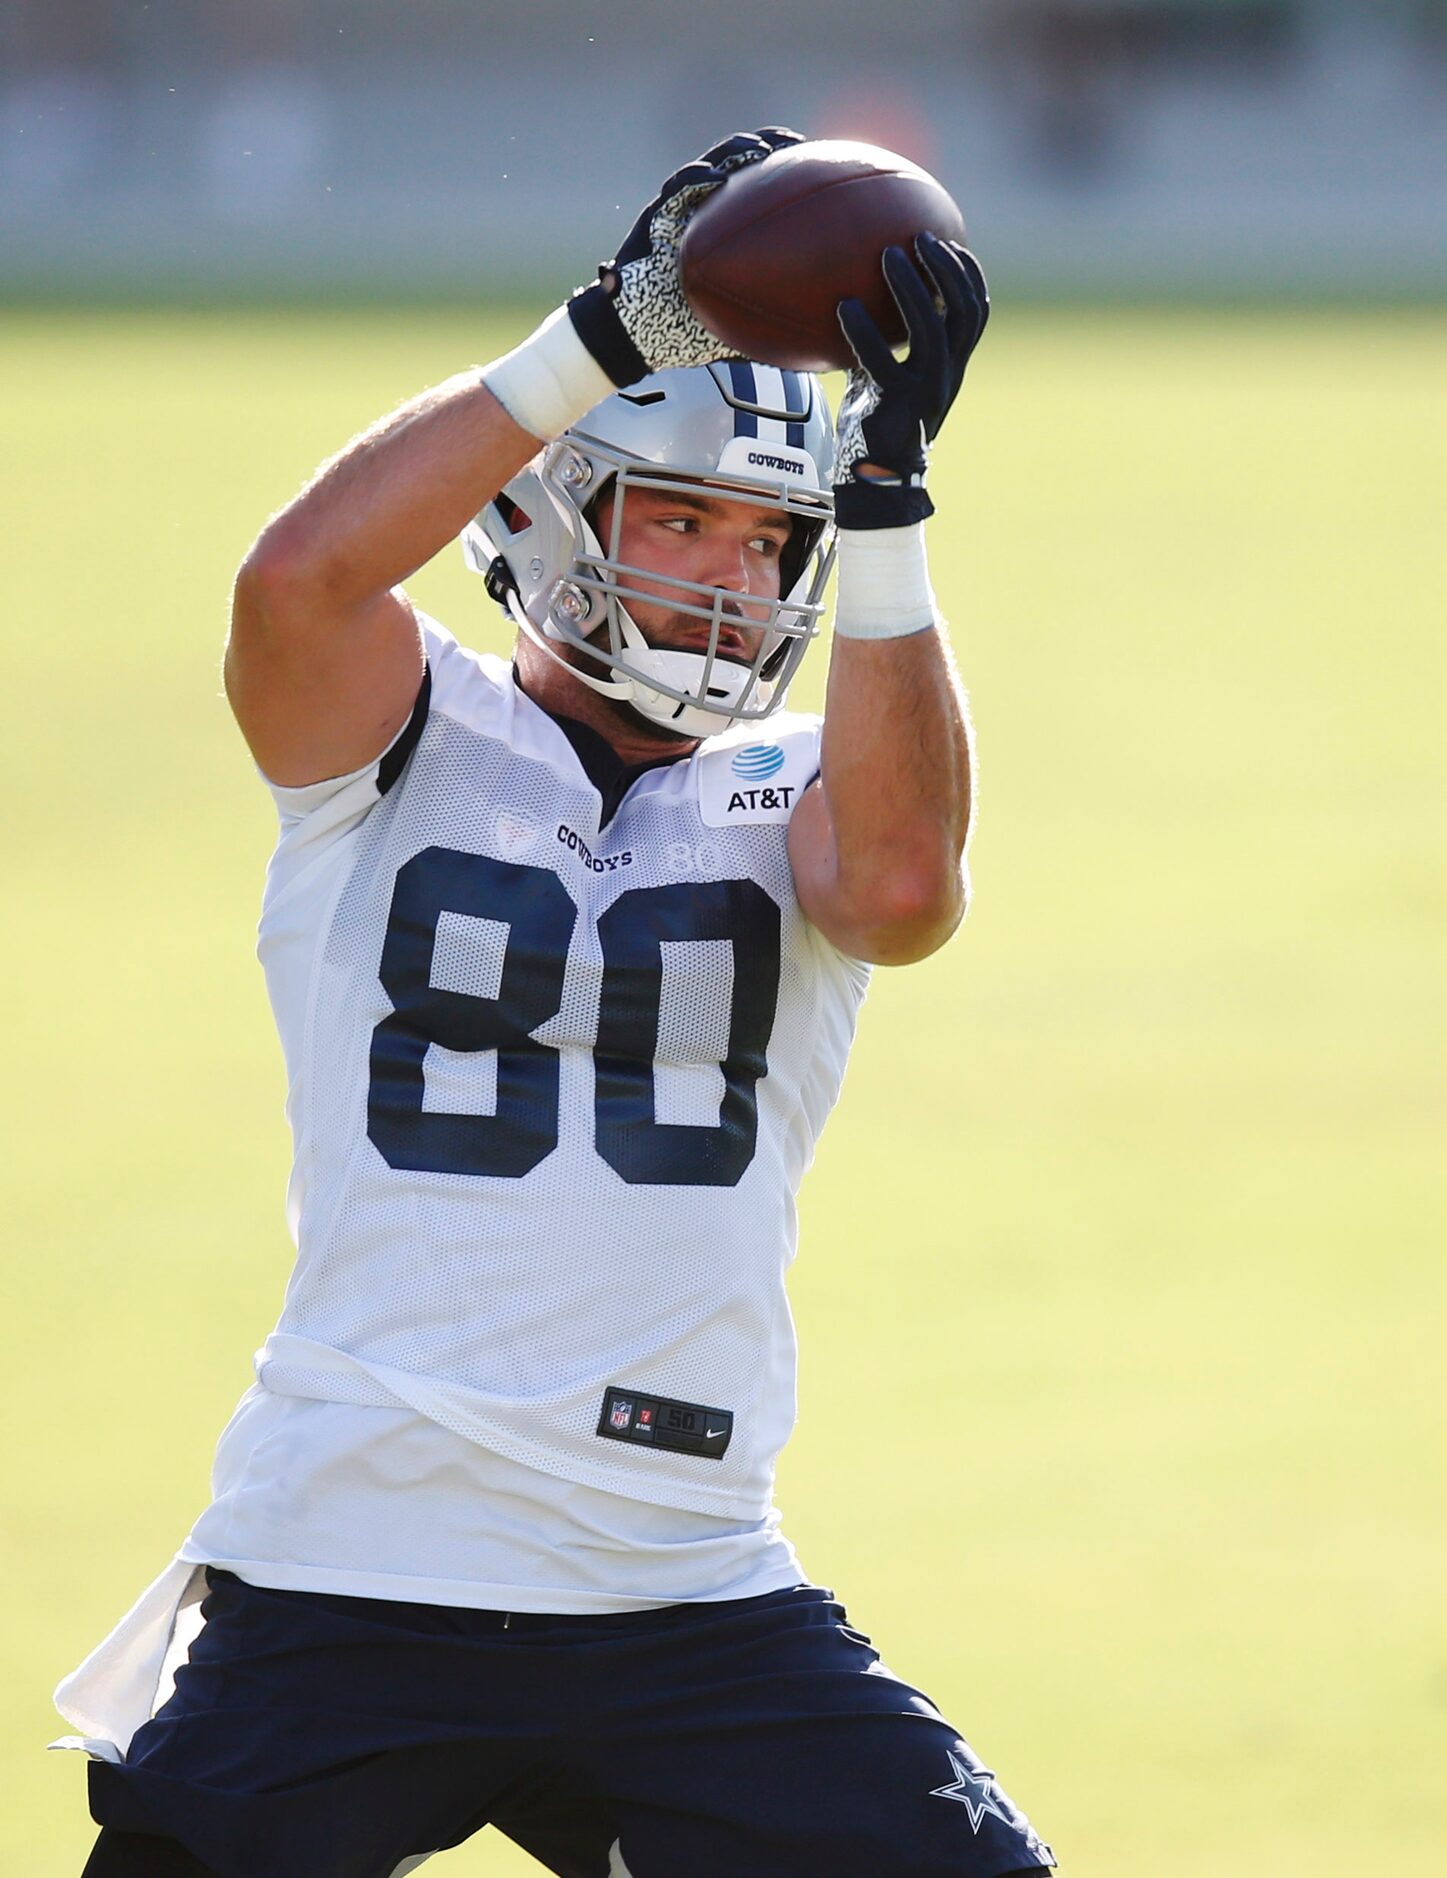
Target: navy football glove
x=634 y=318
x=892 y=408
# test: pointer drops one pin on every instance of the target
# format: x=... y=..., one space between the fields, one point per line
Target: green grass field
x=1121 y=1262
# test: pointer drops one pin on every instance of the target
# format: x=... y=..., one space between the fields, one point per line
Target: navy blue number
x=540 y=915
x=632 y=932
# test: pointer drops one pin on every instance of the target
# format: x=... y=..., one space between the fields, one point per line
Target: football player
x=566 y=957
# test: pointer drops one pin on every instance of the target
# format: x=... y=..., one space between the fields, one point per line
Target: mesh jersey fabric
x=552 y=1089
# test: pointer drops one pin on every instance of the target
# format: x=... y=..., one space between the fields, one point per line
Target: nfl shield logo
x=620 y=1414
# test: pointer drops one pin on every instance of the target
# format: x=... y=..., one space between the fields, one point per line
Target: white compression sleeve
x=550 y=380
x=884 y=585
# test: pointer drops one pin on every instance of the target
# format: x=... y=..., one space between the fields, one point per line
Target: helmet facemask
x=562 y=584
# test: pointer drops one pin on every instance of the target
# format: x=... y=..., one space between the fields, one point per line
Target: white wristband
x=550 y=380
x=884 y=589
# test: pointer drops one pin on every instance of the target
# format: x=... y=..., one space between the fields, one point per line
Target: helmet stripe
x=794 y=400
x=741 y=376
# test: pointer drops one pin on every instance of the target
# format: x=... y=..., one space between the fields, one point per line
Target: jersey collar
x=599 y=761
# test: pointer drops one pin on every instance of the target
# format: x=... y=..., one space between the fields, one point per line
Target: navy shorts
x=313 y=1736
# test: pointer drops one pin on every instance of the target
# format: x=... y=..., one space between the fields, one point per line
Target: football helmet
x=748 y=433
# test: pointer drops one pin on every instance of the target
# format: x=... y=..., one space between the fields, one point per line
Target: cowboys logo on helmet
x=750 y=433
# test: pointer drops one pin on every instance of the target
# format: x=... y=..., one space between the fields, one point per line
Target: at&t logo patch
x=755 y=782
x=756 y=762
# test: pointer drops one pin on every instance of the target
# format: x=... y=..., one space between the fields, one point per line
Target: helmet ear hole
x=517 y=520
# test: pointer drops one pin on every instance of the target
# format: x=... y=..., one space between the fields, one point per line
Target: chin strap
x=698 y=720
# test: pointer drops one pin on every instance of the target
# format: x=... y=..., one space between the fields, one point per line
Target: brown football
x=768 y=257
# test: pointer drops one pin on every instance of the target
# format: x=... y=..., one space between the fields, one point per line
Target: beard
x=660 y=637
x=649 y=728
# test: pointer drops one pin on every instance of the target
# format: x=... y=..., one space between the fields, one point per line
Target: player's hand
x=892 y=409
x=634 y=318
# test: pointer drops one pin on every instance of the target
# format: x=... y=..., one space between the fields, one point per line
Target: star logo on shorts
x=971 y=1787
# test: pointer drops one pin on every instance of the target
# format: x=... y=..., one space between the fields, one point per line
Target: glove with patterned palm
x=634 y=318
x=892 y=409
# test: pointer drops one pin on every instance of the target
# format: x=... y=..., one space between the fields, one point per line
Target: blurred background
x=1159 y=146
x=1121 y=1263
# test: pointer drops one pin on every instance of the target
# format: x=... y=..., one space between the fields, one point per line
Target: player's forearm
x=896 y=761
x=393 y=498
x=896 y=772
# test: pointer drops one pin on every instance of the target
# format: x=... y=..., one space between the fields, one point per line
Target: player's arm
x=325 y=657
x=877 y=845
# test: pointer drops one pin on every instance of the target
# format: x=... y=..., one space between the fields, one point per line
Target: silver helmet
x=750 y=433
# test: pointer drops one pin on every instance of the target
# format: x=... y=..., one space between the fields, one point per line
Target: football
x=766 y=260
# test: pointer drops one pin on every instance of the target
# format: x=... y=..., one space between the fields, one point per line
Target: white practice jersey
x=554 y=1077
x=553 y=1087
